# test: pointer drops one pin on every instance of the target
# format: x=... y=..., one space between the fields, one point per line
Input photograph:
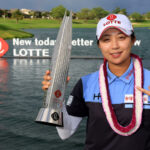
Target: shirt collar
x=126 y=77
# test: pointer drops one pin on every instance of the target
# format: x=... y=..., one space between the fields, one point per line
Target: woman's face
x=116 y=46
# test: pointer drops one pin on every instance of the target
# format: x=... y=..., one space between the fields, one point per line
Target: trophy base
x=50 y=117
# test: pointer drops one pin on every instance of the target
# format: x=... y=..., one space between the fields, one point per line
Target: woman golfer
x=116 y=98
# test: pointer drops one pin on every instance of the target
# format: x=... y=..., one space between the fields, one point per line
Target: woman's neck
x=119 y=69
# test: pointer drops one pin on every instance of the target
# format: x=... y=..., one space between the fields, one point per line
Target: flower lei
x=137 y=99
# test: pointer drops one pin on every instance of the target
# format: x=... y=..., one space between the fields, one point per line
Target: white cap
x=119 y=21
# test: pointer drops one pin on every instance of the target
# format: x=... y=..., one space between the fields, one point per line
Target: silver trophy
x=51 y=112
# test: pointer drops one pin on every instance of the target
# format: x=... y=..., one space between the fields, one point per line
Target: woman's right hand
x=46 y=82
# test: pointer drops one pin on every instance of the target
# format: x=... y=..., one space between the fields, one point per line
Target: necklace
x=137 y=99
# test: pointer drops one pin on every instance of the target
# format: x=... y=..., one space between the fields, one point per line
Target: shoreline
x=10 y=29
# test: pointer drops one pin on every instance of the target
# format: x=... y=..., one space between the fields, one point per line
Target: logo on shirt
x=128 y=100
x=70 y=99
x=130 y=73
x=96 y=96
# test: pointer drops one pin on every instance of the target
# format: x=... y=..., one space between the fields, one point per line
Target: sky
x=141 y=6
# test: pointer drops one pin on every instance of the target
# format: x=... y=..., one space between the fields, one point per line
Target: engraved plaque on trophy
x=51 y=112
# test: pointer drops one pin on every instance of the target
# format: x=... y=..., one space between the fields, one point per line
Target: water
x=21 y=94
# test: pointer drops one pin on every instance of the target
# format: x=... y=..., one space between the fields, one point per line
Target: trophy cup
x=51 y=112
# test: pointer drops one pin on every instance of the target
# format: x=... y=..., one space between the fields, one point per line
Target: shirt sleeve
x=70 y=125
x=76 y=105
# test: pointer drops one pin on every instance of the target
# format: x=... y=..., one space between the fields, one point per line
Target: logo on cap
x=111 y=17
x=3 y=47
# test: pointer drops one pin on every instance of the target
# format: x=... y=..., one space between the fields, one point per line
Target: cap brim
x=127 y=33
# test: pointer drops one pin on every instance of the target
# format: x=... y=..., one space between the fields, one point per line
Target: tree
x=99 y=12
x=37 y=14
x=123 y=11
x=120 y=11
x=147 y=15
x=84 y=14
x=5 y=13
x=1 y=13
x=95 y=13
x=45 y=14
x=58 y=12
x=136 y=17
x=116 y=10
x=74 y=15
x=17 y=14
x=31 y=13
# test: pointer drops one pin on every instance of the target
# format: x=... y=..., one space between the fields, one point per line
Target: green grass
x=10 y=29
x=84 y=23
x=9 y=33
x=30 y=23
x=141 y=24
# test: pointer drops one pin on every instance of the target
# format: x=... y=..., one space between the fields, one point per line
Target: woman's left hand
x=143 y=90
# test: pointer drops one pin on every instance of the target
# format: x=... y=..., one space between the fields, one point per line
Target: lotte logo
x=3 y=47
x=111 y=17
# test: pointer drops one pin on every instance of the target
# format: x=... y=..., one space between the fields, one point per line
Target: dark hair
x=132 y=37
